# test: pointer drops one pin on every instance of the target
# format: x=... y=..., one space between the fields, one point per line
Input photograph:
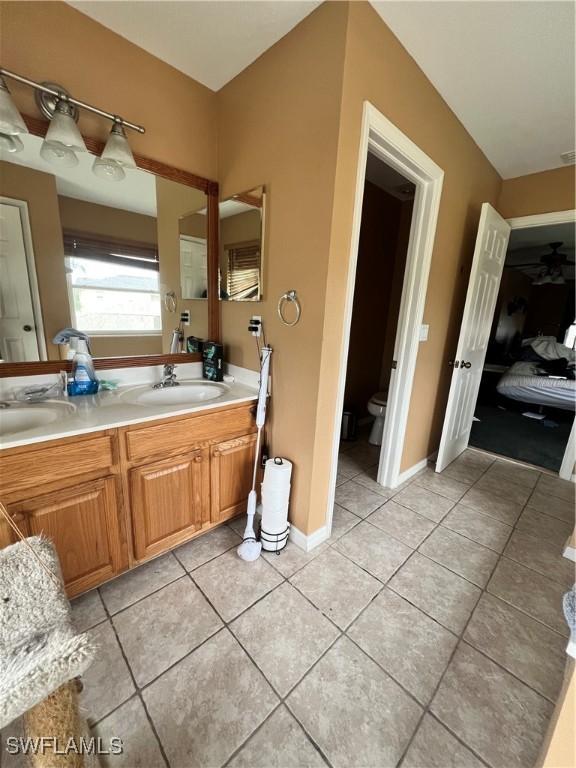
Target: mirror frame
x=210 y=188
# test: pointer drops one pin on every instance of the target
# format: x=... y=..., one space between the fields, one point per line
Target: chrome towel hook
x=292 y=297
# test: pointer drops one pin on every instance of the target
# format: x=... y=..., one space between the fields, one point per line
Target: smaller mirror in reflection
x=193 y=256
x=242 y=246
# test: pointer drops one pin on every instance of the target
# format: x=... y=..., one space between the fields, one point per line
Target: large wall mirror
x=118 y=260
x=241 y=258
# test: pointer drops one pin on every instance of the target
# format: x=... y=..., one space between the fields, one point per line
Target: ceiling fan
x=551 y=266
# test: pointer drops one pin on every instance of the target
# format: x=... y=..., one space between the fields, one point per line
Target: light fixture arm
x=60 y=95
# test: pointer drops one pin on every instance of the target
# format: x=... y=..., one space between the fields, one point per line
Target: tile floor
x=427 y=632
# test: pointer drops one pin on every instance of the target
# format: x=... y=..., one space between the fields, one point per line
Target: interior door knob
x=26 y=327
x=465 y=364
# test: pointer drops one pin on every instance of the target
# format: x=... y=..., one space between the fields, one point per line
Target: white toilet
x=377 y=408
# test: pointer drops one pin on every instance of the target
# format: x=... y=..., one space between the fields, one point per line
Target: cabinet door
x=83 y=523
x=7 y=533
x=169 y=501
x=231 y=467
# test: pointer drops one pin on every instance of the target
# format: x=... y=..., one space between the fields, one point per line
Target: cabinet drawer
x=185 y=433
x=33 y=468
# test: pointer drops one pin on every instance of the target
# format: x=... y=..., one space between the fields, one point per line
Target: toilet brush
x=250 y=548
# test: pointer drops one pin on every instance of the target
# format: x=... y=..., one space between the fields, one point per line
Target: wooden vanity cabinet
x=112 y=499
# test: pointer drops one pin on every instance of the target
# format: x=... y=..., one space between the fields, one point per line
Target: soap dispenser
x=83 y=380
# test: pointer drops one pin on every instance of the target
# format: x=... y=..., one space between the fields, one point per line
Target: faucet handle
x=169 y=369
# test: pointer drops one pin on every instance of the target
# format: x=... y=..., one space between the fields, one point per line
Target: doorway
x=518 y=400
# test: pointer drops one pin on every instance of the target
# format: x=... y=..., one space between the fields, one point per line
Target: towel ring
x=170 y=301
x=293 y=298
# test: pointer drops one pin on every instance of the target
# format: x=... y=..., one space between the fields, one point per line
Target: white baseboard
x=308 y=542
x=408 y=473
x=570 y=553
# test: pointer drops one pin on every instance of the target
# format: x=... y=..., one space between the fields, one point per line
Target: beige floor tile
x=499 y=717
x=238 y=524
x=375 y=551
x=402 y=523
x=140 y=582
x=279 y=743
x=407 y=643
x=544 y=527
x=206 y=706
x=541 y=556
x=10 y=739
x=528 y=649
x=435 y=747
x=474 y=525
x=492 y=505
x=87 y=611
x=555 y=486
x=424 y=502
x=139 y=746
x=336 y=586
x=515 y=472
x=284 y=634
x=461 y=555
x=342 y=521
x=368 y=480
x=462 y=473
x=292 y=558
x=562 y=509
x=442 y=484
x=208 y=546
x=179 y=612
x=232 y=585
x=364 y=453
x=107 y=681
x=356 y=713
x=504 y=487
x=530 y=592
x=348 y=466
x=441 y=594
x=357 y=498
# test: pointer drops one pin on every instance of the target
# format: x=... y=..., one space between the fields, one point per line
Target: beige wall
x=39 y=191
x=174 y=201
x=82 y=216
x=544 y=192
x=53 y=41
x=278 y=126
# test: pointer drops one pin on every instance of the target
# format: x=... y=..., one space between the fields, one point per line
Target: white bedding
x=520 y=382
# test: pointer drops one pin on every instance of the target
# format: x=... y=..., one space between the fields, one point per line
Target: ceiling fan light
x=63 y=128
x=117 y=147
x=109 y=170
x=11 y=121
x=58 y=154
x=10 y=143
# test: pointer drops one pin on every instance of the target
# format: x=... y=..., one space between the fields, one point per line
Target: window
x=113 y=286
x=570 y=337
x=243 y=278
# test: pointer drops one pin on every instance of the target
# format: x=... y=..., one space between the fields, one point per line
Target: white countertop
x=108 y=410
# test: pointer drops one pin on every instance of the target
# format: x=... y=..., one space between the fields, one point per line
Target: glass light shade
x=110 y=170
x=10 y=143
x=11 y=121
x=63 y=128
x=56 y=153
x=117 y=147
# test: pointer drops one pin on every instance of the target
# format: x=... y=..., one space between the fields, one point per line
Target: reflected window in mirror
x=99 y=255
x=242 y=246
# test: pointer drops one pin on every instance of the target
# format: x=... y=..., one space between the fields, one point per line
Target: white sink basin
x=20 y=417
x=187 y=392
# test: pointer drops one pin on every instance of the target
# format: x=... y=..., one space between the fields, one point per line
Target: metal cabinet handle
x=198 y=459
x=465 y=364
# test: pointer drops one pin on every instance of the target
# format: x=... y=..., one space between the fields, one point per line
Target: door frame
x=32 y=276
x=541 y=220
x=381 y=137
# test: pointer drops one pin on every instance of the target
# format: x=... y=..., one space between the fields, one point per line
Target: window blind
x=243 y=279
x=115 y=251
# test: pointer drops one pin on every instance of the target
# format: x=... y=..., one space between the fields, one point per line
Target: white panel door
x=193 y=268
x=487 y=265
x=18 y=340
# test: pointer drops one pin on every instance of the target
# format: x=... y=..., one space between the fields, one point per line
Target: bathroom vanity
x=153 y=477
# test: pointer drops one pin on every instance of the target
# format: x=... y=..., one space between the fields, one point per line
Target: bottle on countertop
x=83 y=379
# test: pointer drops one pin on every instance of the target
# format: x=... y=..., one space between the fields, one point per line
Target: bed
x=544 y=375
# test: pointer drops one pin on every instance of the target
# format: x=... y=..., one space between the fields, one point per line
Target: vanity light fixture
x=63 y=138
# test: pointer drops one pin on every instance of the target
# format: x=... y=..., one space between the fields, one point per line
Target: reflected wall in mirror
x=98 y=255
x=242 y=246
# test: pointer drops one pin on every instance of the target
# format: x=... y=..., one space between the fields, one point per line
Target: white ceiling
x=505 y=67
x=212 y=41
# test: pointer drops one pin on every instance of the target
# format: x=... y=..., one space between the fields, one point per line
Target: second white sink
x=20 y=417
x=187 y=392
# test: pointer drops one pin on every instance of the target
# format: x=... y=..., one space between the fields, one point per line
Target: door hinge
x=394 y=364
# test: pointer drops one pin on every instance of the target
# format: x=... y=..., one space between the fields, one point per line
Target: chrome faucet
x=168 y=377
